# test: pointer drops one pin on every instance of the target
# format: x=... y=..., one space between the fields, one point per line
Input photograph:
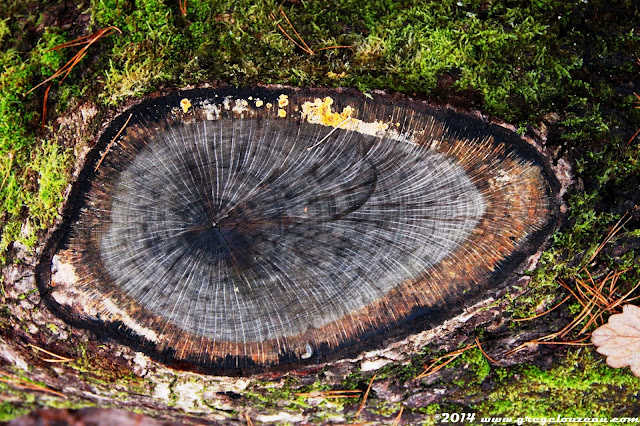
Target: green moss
x=65 y=403
x=132 y=80
x=579 y=386
x=25 y=295
x=505 y=53
x=271 y=395
x=403 y=372
x=430 y=411
x=384 y=408
x=477 y=362
x=18 y=74
x=51 y=163
x=8 y=411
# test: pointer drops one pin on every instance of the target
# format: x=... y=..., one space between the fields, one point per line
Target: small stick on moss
x=306 y=47
x=106 y=151
x=331 y=394
x=23 y=384
x=248 y=419
x=543 y=313
x=66 y=69
x=525 y=345
x=616 y=228
x=485 y=354
x=396 y=421
x=56 y=357
x=366 y=395
x=183 y=7
x=435 y=367
x=302 y=44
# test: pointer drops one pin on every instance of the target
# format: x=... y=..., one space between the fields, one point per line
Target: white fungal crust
x=244 y=236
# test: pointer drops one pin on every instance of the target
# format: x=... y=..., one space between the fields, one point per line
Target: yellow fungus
x=185 y=104
x=283 y=100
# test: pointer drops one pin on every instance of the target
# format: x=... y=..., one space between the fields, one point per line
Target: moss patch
x=8 y=411
x=581 y=385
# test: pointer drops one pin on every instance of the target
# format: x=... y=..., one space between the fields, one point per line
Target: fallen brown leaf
x=619 y=339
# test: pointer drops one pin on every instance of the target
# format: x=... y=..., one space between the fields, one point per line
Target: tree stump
x=49 y=356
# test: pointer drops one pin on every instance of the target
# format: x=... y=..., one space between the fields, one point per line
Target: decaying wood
x=56 y=364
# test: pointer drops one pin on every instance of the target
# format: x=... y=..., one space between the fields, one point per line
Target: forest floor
x=565 y=72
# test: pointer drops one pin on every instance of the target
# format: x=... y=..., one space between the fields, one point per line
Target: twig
x=21 y=383
x=432 y=368
x=56 y=357
x=396 y=421
x=366 y=395
x=112 y=142
x=541 y=342
x=485 y=354
x=543 y=313
x=183 y=7
x=328 y=134
x=616 y=228
x=248 y=419
x=66 y=69
x=306 y=47
x=301 y=44
x=331 y=394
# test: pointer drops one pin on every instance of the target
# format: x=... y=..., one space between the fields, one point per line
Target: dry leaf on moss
x=619 y=339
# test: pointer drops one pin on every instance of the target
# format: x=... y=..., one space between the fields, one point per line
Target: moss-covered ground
x=566 y=68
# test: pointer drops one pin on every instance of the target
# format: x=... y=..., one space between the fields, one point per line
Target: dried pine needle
x=55 y=357
x=597 y=297
x=366 y=395
x=435 y=367
x=300 y=43
x=66 y=69
x=23 y=384
x=106 y=151
x=330 y=394
x=397 y=420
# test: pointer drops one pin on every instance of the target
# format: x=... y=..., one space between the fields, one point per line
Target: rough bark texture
x=108 y=374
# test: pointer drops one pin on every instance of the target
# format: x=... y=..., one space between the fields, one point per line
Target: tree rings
x=230 y=228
